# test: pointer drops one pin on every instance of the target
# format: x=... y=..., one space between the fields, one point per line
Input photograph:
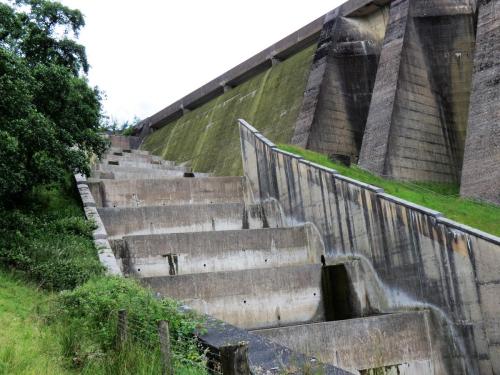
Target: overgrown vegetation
x=75 y=332
x=50 y=241
x=48 y=237
x=441 y=197
x=90 y=316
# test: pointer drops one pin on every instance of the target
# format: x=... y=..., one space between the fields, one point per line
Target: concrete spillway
x=205 y=242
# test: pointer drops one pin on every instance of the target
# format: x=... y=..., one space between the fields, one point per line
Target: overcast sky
x=147 y=54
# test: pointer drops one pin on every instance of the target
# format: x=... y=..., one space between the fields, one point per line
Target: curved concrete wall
x=420 y=257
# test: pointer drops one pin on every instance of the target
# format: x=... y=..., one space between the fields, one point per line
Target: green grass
x=440 y=197
x=27 y=344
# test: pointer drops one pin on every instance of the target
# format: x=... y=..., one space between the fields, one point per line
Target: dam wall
x=408 y=89
x=419 y=257
x=202 y=139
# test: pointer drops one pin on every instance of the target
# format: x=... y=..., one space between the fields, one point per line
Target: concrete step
x=401 y=340
x=130 y=158
x=187 y=218
x=126 y=142
x=129 y=173
x=139 y=166
x=143 y=162
x=251 y=299
x=126 y=151
x=154 y=192
x=202 y=252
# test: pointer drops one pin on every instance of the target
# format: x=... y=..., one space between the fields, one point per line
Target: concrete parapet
x=218 y=251
x=132 y=193
x=256 y=298
x=99 y=234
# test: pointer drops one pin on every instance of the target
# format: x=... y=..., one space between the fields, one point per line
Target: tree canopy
x=49 y=115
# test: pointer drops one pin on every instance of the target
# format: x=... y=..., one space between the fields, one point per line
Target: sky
x=147 y=54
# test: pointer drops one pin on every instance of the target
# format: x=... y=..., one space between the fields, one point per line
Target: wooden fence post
x=234 y=359
x=165 y=347
x=122 y=328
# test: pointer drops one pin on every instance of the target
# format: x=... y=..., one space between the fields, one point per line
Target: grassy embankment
x=58 y=311
x=440 y=197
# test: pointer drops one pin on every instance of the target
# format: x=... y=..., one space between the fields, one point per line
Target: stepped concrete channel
x=204 y=241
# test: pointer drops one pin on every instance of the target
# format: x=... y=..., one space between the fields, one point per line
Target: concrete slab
x=137 y=166
x=251 y=299
x=150 y=192
x=366 y=343
x=136 y=173
x=202 y=252
x=127 y=151
x=186 y=218
x=265 y=356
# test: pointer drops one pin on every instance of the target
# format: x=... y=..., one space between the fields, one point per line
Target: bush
x=49 y=239
x=90 y=315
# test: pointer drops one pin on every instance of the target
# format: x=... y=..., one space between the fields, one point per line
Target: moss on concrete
x=208 y=139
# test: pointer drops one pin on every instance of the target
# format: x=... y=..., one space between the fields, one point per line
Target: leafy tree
x=49 y=115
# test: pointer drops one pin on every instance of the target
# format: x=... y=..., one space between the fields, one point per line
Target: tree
x=49 y=115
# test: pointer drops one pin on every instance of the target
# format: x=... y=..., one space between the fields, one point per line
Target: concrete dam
x=408 y=89
x=374 y=285
x=319 y=272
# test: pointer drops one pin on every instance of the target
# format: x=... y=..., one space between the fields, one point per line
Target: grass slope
x=27 y=344
x=440 y=197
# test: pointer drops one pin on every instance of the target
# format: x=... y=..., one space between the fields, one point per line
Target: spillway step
x=123 y=221
x=179 y=190
x=251 y=299
x=201 y=252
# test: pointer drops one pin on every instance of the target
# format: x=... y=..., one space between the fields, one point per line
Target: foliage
x=49 y=238
x=126 y=128
x=437 y=196
x=90 y=312
x=49 y=116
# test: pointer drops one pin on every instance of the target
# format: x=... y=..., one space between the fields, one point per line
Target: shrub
x=49 y=238
x=90 y=315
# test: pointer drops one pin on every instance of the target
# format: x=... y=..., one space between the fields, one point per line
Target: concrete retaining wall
x=419 y=257
x=100 y=236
